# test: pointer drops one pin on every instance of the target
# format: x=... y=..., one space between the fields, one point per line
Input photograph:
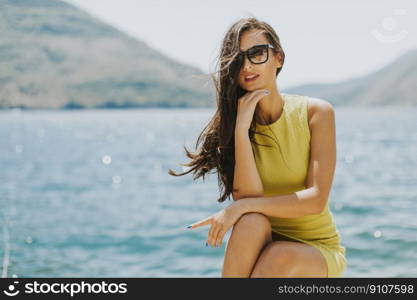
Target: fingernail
x=206 y=244
x=189 y=226
x=267 y=92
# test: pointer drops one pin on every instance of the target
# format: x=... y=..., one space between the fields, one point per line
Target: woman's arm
x=246 y=180
x=298 y=204
x=313 y=199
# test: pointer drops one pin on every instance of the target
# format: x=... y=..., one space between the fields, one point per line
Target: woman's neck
x=269 y=108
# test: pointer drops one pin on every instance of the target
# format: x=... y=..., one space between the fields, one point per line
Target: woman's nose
x=246 y=63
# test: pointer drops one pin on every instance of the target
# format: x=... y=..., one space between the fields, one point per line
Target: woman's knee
x=254 y=222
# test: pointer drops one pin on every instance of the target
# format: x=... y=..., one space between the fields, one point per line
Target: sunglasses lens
x=258 y=54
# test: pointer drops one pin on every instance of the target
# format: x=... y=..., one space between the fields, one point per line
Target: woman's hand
x=220 y=223
x=246 y=108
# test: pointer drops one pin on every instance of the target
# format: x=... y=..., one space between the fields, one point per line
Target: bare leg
x=250 y=234
x=290 y=259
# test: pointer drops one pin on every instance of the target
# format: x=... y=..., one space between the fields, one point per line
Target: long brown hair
x=217 y=137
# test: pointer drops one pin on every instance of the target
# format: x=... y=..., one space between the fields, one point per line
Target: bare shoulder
x=318 y=109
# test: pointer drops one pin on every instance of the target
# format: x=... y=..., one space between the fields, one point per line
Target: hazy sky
x=323 y=40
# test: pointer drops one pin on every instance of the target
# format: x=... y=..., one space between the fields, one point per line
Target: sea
x=86 y=193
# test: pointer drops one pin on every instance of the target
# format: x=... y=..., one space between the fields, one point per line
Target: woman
x=276 y=154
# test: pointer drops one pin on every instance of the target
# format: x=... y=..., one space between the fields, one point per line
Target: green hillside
x=54 y=55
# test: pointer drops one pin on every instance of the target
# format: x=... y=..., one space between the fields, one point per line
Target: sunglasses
x=258 y=54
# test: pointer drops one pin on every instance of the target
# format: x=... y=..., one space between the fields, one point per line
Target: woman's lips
x=251 y=79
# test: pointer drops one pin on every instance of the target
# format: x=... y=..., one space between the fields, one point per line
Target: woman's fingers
x=220 y=237
x=217 y=231
x=219 y=225
x=209 y=235
x=258 y=97
x=258 y=94
x=213 y=234
x=200 y=223
x=218 y=234
x=255 y=97
x=246 y=107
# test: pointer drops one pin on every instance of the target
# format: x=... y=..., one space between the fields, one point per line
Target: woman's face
x=266 y=71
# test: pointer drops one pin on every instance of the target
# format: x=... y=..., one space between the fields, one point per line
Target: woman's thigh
x=290 y=259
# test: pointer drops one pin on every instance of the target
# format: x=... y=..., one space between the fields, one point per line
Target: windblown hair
x=217 y=138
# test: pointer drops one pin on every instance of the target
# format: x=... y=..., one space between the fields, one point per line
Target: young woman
x=275 y=153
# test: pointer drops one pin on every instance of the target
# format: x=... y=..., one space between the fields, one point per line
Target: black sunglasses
x=257 y=54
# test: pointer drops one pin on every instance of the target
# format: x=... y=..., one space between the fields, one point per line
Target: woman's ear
x=278 y=62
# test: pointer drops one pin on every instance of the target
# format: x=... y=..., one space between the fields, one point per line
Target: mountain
x=394 y=84
x=54 y=55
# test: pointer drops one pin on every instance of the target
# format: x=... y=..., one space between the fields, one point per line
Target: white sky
x=323 y=40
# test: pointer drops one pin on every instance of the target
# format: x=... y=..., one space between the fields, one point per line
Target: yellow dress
x=283 y=170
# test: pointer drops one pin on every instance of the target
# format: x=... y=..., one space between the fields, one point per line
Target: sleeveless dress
x=283 y=170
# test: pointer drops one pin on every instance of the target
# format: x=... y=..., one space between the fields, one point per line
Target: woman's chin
x=251 y=88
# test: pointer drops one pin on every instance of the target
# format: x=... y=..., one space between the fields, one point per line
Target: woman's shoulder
x=314 y=106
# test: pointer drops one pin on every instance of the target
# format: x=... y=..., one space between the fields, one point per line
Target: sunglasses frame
x=246 y=53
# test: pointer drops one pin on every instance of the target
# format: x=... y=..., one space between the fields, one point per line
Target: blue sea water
x=87 y=194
